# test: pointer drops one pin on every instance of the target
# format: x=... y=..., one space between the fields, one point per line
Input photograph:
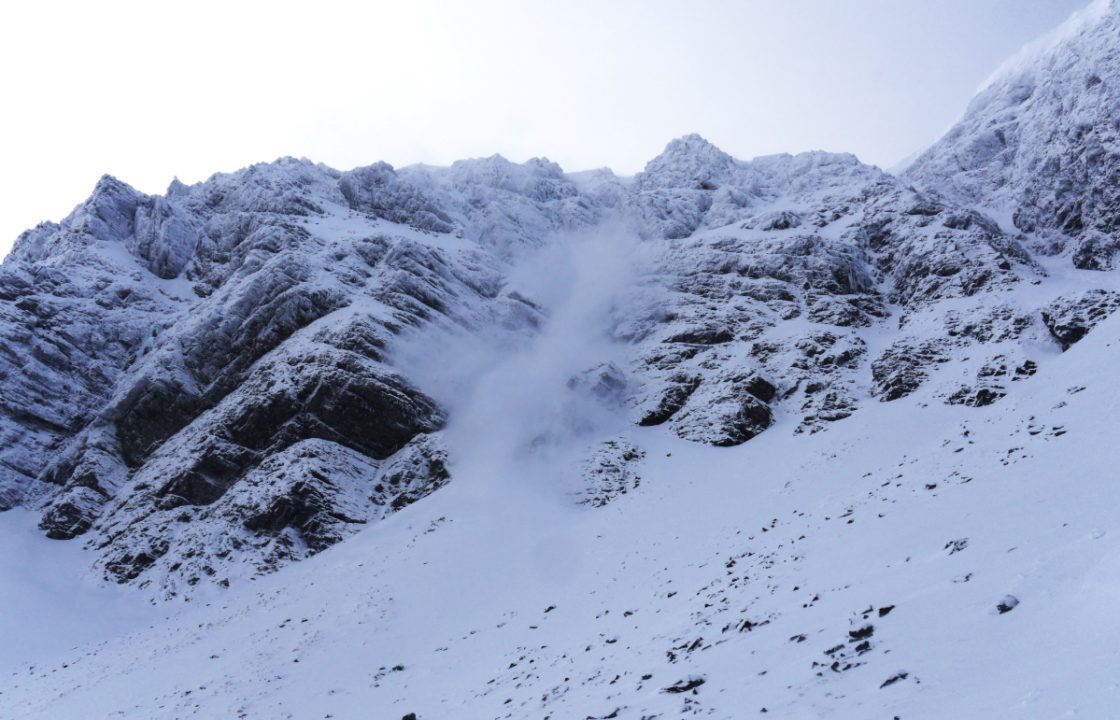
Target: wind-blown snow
x=523 y=406
x=1039 y=48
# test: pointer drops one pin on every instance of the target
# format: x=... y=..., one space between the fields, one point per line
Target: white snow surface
x=49 y=601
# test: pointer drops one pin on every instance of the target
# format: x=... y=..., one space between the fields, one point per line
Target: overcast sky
x=147 y=91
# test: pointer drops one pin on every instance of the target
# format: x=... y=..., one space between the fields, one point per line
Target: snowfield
x=791 y=437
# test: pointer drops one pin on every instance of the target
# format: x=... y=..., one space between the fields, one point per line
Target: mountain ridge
x=286 y=271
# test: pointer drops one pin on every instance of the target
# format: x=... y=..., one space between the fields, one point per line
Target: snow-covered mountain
x=1040 y=144
x=790 y=435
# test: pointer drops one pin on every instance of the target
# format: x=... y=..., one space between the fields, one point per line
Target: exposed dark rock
x=706 y=335
x=824 y=407
x=760 y=388
x=151 y=411
x=413 y=473
x=296 y=502
x=72 y=513
x=955 y=546
x=837 y=311
x=903 y=367
x=1027 y=369
x=305 y=508
x=1009 y=603
x=1071 y=318
x=979 y=397
x=998 y=324
x=683 y=686
x=1094 y=251
x=674 y=397
x=724 y=413
x=902 y=675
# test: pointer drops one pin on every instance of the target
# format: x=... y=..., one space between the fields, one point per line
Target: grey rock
x=1071 y=318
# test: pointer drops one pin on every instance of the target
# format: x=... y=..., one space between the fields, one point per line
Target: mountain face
x=202 y=387
x=239 y=404
x=1040 y=144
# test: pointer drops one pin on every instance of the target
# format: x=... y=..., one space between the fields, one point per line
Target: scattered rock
x=685 y=685
x=1009 y=603
x=901 y=675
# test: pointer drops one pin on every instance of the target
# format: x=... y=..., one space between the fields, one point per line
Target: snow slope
x=50 y=603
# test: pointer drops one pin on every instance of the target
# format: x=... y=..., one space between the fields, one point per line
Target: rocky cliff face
x=1040 y=145
x=207 y=384
x=200 y=381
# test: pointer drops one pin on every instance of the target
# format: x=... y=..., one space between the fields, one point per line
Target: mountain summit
x=1040 y=144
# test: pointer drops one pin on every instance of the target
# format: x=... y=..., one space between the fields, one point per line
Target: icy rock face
x=774 y=303
x=1071 y=318
x=694 y=185
x=246 y=410
x=506 y=206
x=75 y=311
x=611 y=470
x=378 y=190
x=201 y=383
x=208 y=384
x=297 y=502
x=1041 y=143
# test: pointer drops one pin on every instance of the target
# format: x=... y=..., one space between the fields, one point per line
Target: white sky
x=147 y=91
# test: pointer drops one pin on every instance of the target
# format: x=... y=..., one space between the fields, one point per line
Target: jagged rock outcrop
x=611 y=470
x=217 y=358
x=1070 y=318
x=851 y=248
x=1041 y=143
